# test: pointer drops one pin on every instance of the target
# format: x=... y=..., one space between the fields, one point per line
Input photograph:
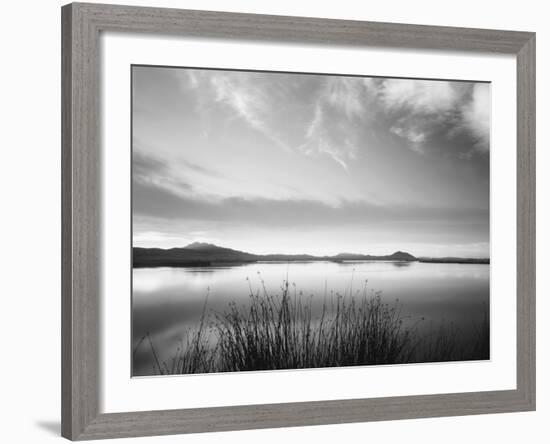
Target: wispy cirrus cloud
x=477 y=116
x=423 y=109
x=322 y=138
x=420 y=112
x=347 y=94
x=342 y=105
x=250 y=100
x=333 y=110
x=414 y=135
x=329 y=108
x=420 y=96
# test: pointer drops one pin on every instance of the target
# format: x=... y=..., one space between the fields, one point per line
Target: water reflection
x=169 y=301
x=401 y=264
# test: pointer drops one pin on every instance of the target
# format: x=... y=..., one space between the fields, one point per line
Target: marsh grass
x=285 y=332
x=282 y=333
x=482 y=344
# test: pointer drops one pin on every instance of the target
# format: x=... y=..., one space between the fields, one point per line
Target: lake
x=169 y=301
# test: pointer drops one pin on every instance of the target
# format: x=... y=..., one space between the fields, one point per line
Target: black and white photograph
x=286 y=221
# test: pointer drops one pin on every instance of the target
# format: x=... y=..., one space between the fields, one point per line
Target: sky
x=299 y=163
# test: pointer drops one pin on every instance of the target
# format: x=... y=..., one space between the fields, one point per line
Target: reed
x=284 y=331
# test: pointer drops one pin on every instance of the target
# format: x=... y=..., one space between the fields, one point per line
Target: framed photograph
x=278 y=221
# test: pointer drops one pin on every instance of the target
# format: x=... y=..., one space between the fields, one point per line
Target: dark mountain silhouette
x=195 y=254
x=204 y=254
x=203 y=246
x=401 y=256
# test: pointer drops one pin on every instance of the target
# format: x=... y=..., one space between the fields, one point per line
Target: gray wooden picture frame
x=81 y=171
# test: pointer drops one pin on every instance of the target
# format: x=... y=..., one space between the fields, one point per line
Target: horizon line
x=314 y=255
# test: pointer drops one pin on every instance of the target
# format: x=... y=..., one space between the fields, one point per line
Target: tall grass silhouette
x=283 y=331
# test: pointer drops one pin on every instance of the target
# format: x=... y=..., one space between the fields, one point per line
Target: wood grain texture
x=81 y=167
x=66 y=223
x=80 y=221
x=230 y=25
x=526 y=220
x=119 y=425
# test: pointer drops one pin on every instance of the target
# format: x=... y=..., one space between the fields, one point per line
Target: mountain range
x=205 y=254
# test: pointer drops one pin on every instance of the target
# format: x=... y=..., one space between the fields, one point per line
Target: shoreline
x=217 y=263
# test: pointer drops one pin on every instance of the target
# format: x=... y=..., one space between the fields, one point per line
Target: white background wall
x=30 y=220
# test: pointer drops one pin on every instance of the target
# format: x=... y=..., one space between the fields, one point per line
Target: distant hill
x=204 y=246
x=195 y=254
x=401 y=256
x=205 y=254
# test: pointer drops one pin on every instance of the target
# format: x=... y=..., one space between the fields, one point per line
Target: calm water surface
x=169 y=301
